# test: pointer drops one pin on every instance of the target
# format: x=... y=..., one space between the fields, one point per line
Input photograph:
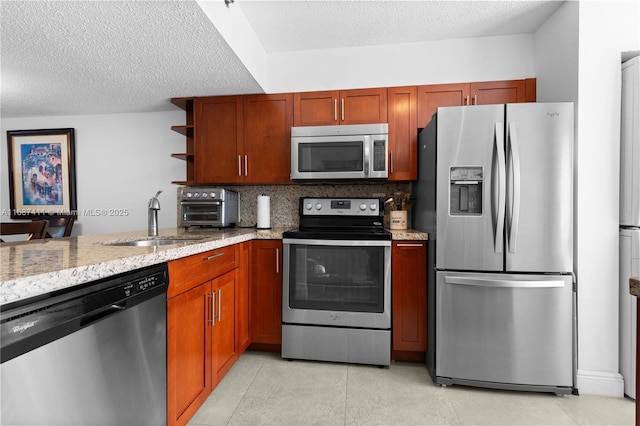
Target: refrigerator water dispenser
x=465 y=191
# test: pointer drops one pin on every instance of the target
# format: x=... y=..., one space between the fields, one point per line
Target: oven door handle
x=330 y=242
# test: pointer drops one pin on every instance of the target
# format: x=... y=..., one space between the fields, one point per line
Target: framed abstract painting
x=42 y=177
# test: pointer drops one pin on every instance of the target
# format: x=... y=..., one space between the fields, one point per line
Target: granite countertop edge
x=78 y=260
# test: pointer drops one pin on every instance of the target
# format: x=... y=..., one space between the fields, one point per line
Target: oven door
x=207 y=213
x=337 y=283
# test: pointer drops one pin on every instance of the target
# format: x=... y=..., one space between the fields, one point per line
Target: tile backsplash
x=285 y=198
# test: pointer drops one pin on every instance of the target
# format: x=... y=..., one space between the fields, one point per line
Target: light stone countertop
x=408 y=234
x=32 y=268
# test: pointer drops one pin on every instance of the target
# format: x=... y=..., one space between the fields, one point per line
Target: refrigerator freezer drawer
x=505 y=328
x=629 y=267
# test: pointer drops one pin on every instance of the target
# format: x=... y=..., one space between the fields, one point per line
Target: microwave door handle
x=367 y=154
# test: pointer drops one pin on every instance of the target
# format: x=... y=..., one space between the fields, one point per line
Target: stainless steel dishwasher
x=93 y=355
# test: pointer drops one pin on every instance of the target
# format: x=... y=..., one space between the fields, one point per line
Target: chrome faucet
x=154 y=206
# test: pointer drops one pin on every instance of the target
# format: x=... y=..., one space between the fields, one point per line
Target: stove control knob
x=213 y=195
x=373 y=206
x=205 y=195
x=188 y=195
x=308 y=206
x=363 y=207
x=318 y=206
x=196 y=195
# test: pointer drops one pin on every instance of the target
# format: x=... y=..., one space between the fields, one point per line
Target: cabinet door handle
x=211 y=299
x=390 y=162
x=475 y=99
x=246 y=165
x=466 y=100
x=335 y=109
x=342 y=109
x=219 y=299
x=410 y=244
x=213 y=256
x=239 y=166
x=277 y=261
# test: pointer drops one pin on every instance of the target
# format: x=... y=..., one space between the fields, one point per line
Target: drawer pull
x=410 y=245
x=213 y=256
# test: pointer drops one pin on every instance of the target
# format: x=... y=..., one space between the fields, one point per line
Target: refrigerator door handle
x=515 y=159
x=489 y=282
x=502 y=183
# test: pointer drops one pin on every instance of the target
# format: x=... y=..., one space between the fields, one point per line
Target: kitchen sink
x=151 y=241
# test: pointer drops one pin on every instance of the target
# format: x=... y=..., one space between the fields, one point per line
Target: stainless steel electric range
x=337 y=283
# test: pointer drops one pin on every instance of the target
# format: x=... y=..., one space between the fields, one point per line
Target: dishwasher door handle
x=102 y=313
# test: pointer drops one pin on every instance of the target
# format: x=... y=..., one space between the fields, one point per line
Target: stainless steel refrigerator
x=495 y=194
x=629 y=219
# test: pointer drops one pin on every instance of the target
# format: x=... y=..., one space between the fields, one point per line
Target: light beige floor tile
x=294 y=393
x=222 y=403
x=599 y=410
x=402 y=394
x=263 y=389
x=475 y=406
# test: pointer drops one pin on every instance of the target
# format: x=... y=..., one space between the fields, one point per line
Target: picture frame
x=42 y=172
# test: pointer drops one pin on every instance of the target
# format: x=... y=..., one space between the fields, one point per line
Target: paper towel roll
x=264 y=212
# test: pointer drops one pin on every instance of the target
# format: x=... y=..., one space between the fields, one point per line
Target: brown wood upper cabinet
x=497 y=92
x=219 y=139
x=403 y=133
x=243 y=139
x=432 y=96
x=357 y=106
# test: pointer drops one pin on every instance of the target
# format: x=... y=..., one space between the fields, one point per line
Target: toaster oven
x=207 y=207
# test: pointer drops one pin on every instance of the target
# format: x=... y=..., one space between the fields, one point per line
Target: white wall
x=121 y=161
x=577 y=54
x=446 y=61
x=606 y=29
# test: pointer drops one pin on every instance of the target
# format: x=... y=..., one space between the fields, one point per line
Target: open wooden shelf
x=186 y=130
x=183 y=103
x=183 y=156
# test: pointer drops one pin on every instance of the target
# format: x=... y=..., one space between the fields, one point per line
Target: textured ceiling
x=92 y=57
x=301 y=25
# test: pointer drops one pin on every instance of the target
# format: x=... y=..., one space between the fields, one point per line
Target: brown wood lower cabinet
x=188 y=353
x=266 y=292
x=243 y=294
x=202 y=344
x=409 y=299
x=223 y=325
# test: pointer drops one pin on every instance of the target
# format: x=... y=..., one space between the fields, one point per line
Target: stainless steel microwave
x=354 y=151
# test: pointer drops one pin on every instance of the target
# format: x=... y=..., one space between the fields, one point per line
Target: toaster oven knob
x=363 y=207
x=373 y=206
x=309 y=206
x=318 y=206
